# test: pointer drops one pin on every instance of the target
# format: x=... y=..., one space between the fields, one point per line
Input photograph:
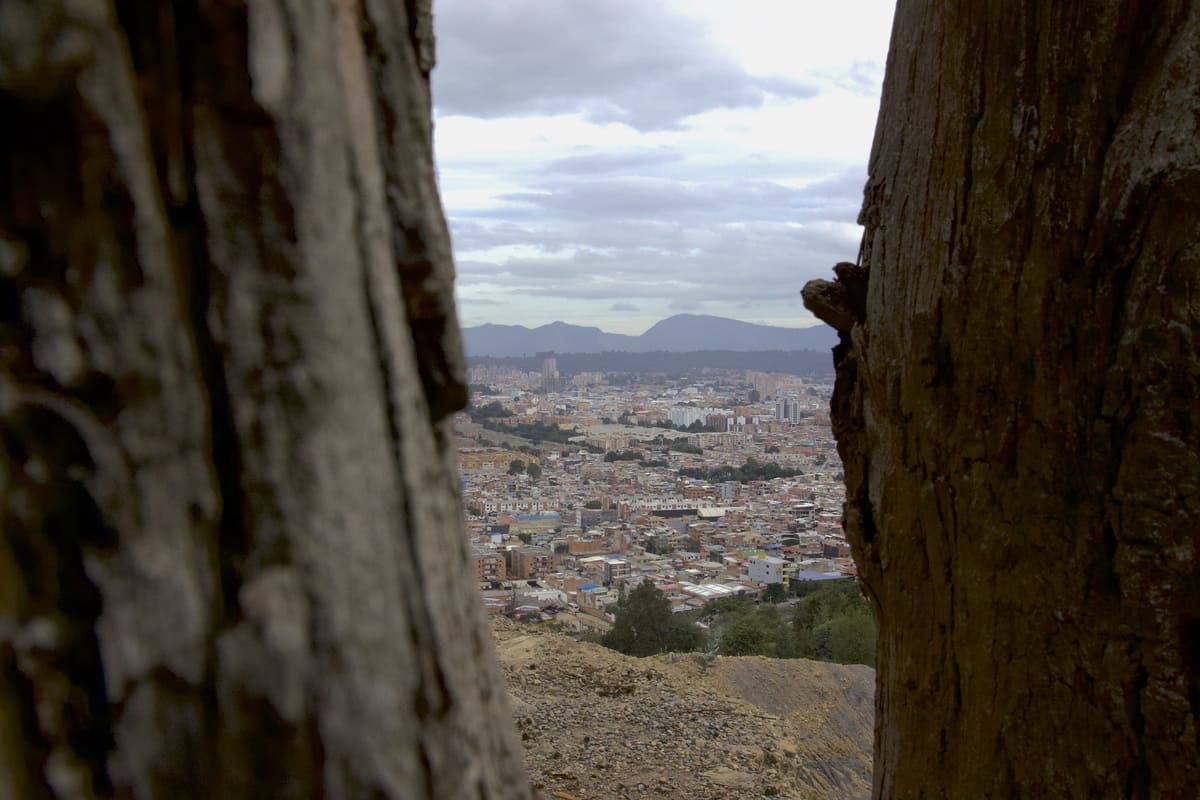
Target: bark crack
x=420 y=243
x=225 y=448
x=430 y=700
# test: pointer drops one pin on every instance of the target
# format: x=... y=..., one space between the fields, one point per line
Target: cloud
x=633 y=217
x=628 y=61
x=484 y=301
x=608 y=162
x=632 y=198
x=618 y=162
x=861 y=77
x=618 y=198
x=759 y=262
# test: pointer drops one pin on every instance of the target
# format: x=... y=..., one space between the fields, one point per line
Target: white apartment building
x=767 y=569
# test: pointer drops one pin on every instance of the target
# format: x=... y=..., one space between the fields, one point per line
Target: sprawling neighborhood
x=713 y=485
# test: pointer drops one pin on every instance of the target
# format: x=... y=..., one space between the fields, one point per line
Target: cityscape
x=718 y=483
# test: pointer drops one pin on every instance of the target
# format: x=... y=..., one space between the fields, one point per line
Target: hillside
x=596 y=724
x=684 y=332
x=680 y=333
x=792 y=362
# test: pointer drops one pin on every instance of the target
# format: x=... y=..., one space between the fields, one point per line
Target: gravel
x=596 y=724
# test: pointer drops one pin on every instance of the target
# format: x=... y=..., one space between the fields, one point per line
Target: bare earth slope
x=596 y=724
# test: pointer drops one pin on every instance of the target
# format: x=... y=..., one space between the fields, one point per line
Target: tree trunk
x=1016 y=401
x=232 y=562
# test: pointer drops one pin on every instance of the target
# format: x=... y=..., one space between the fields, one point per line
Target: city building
x=767 y=569
x=787 y=409
x=489 y=565
x=531 y=562
x=550 y=377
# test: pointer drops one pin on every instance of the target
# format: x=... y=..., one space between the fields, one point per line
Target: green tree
x=516 y=466
x=833 y=623
x=724 y=605
x=752 y=470
x=852 y=637
x=814 y=643
x=646 y=625
x=742 y=628
x=744 y=635
x=533 y=470
x=488 y=411
x=775 y=593
x=592 y=504
x=754 y=631
x=535 y=431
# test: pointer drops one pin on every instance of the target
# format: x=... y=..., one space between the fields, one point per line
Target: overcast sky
x=614 y=162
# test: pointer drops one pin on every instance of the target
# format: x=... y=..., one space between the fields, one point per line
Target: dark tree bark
x=1017 y=400
x=232 y=562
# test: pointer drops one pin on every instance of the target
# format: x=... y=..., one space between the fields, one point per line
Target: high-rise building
x=787 y=409
x=550 y=378
x=765 y=383
x=719 y=422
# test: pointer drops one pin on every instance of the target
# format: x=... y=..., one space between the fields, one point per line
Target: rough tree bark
x=1017 y=400
x=231 y=562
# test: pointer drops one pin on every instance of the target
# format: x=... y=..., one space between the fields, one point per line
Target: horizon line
x=815 y=323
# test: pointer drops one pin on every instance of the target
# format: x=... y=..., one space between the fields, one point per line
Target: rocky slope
x=596 y=724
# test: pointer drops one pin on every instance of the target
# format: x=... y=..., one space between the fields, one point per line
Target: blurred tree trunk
x=1017 y=400
x=232 y=562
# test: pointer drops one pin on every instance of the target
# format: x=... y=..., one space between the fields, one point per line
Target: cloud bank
x=611 y=162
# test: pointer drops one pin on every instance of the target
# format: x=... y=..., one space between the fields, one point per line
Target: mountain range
x=680 y=333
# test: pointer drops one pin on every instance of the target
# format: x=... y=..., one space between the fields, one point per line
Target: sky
x=615 y=162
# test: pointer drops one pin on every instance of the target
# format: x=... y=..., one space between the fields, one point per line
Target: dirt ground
x=596 y=724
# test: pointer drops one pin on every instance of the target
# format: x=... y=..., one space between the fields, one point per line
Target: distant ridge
x=680 y=333
x=662 y=362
